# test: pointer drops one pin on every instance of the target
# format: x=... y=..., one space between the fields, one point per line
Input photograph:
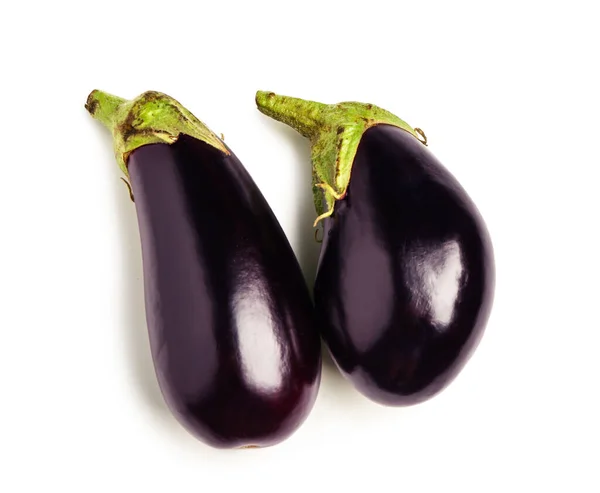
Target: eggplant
x=232 y=328
x=405 y=278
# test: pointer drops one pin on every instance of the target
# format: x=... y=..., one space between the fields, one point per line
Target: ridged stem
x=151 y=118
x=334 y=131
x=103 y=107
x=302 y=115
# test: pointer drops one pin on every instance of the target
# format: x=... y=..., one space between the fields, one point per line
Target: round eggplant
x=232 y=328
x=406 y=275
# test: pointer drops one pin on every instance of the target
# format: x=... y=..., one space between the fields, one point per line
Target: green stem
x=335 y=132
x=151 y=118
x=303 y=116
x=103 y=107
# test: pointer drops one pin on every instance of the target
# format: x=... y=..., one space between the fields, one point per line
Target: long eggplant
x=231 y=325
x=406 y=275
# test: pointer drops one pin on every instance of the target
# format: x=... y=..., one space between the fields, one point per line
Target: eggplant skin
x=232 y=328
x=406 y=274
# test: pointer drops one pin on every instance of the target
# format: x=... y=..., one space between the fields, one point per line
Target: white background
x=508 y=94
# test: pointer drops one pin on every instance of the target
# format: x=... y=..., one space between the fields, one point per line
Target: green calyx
x=151 y=118
x=334 y=131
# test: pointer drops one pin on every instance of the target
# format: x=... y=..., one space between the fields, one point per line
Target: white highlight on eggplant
x=260 y=351
x=434 y=276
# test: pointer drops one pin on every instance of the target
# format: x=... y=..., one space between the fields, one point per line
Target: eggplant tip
x=262 y=96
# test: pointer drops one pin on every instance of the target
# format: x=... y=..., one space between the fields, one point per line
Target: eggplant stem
x=151 y=118
x=302 y=115
x=103 y=107
x=334 y=130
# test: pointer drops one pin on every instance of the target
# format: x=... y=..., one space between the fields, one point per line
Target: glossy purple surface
x=406 y=275
x=232 y=327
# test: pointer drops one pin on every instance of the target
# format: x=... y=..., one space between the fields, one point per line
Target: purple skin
x=232 y=328
x=406 y=276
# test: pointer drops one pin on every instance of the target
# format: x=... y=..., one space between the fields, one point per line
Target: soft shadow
x=329 y=365
x=337 y=392
x=307 y=249
x=334 y=378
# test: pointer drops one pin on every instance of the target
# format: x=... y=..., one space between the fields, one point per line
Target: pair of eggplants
x=403 y=288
